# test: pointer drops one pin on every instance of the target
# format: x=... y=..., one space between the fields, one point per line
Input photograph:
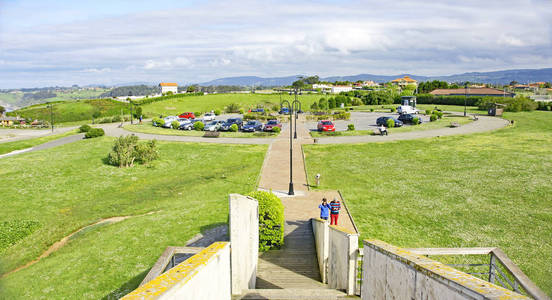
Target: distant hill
x=496 y=77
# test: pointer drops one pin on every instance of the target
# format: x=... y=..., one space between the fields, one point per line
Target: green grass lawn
x=23 y=144
x=441 y=123
x=220 y=101
x=58 y=190
x=487 y=189
x=146 y=127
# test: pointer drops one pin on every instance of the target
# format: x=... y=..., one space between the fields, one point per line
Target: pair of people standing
x=330 y=210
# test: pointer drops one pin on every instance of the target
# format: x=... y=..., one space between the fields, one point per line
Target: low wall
x=244 y=237
x=389 y=272
x=321 y=233
x=342 y=254
x=205 y=275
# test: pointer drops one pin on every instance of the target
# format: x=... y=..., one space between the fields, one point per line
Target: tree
x=312 y=79
x=298 y=84
x=192 y=89
x=513 y=82
x=2 y=110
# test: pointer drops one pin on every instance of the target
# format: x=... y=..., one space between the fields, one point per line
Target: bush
x=175 y=124
x=276 y=129
x=123 y=151
x=94 y=132
x=271 y=220
x=356 y=102
x=428 y=112
x=439 y=114
x=233 y=128
x=105 y=120
x=371 y=110
x=433 y=118
x=351 y=127
x=512 y=104
x=342 y=116
x=393 y=109
x=116 y=118
x=249 y=117
x=157 y=122
x=217 y=112
x=197 y=114
x=416 y=121
x=147 y=152
x=390 y=123
x=84 y=128
x=199 y=126
x=233 y=108
x=241 y=111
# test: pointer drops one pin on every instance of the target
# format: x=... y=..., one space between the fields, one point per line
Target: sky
x=49 y=43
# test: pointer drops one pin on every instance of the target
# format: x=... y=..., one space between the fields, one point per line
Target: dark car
x=407 y=118
x=284 y=111
x=230 y=122
x=382 y=121
x=271 y=124
x=258 y=110
x=253 y=126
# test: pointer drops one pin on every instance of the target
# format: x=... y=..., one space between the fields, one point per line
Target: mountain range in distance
x=495 y=77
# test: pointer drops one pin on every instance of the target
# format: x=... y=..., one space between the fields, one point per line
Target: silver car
x=168 y=121
x=213 y=126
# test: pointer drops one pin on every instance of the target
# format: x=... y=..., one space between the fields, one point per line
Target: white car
x=209 y=116
x=213 y=126
x=406 y=109
x=168 y=121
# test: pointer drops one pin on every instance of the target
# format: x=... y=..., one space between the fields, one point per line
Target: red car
x=326 y=125
x=271 y=124
x=187 y=115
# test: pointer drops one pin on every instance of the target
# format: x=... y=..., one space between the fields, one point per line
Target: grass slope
x=488 y=189
x=186 y=189
x=220 y=101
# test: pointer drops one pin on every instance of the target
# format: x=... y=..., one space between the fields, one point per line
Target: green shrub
x=94 y=132
x=197 y=114
x=314 y=105
x=84 y=128
x=351 y=127
x=342 y=116
x=175 y=124
x=233 y=128
x=416 y=121
x=157 y=122
x=199 y=126
x=355 y=102
x=116 y=118
x=393 y=109
x=249 y=116
x=127 y=150
x=439 y=114
x=271 y=220
x=512 y=104
x=371 y=110
x=147 y=152
x=390 y=123
x=276 y=129
x=105 y=120
x=217 y=112
x=433 y=118
x=428 y=111
x=233 y=108
x=241 y=111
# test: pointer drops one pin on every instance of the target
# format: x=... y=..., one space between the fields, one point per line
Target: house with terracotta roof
x=168 y=87
x=404 y=81
x=472 y=92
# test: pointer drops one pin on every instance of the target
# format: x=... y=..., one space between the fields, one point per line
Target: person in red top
x=335 y=206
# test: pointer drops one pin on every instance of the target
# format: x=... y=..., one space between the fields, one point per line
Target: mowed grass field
x=220 y=101
x=28 y=143
x=62 y=189
x=482 y=190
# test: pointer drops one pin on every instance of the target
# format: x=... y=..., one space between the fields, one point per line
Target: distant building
x=336 y=89
x=472 y=92
x=404 y=81
x=168 y=87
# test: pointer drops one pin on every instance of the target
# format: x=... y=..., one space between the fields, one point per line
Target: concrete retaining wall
x=244 y=237
x=343 y=251
x=390 y=272
x=205 y=275
x=321 y=232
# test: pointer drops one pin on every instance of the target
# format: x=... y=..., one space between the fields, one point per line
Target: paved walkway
x=50 y=144
x=12 y=135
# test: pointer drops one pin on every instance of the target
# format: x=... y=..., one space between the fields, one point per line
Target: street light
x=296 y=106
x=290 y=192
x=130 y=104
x=466 y=87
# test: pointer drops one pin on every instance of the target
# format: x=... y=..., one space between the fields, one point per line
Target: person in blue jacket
x=324 y=209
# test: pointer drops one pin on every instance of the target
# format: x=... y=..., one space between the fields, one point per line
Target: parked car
x=187 y=115
x=185 y=124
x=253 y=126
x=271 y=124
x=284 y=111
x=213 y=126
x=168 y=121
x=209 y=116
x=382 y=121
x=326 y=125
x=259 y=110
x=407 y=118
x=230 y=122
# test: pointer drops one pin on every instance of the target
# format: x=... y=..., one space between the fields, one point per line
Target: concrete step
x=292 y=294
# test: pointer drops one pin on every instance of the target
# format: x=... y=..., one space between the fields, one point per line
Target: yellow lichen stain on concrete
x=342 y=229
x=436 y=269
x=178 y=275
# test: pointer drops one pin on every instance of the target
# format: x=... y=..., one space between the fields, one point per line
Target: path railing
x=500 y=270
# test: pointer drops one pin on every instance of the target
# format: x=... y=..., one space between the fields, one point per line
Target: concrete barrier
x=389 y=272
x=205 y=275
x=342 y=254
x=321 y=233
x=244 y=237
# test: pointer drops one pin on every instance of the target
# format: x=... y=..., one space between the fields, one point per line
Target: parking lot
x=362 y=121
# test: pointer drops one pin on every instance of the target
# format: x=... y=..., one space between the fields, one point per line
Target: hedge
x=271 y=220
x=162 y=98
x=94 y=132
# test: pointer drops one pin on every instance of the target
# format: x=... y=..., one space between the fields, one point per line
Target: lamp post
x=466 y=97
x=296 y=105
x=51 y=106
x=130 y=104
x=290 y=192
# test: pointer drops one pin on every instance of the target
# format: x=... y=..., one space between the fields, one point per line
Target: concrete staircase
x=314 y=294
